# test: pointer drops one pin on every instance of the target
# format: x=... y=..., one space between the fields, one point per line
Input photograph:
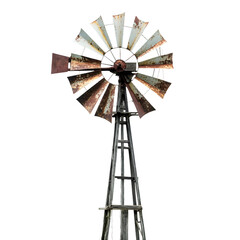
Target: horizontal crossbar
x=125 y=114
x=123 y=147
x=122 y=207
x=120 y=177
x=123 y=141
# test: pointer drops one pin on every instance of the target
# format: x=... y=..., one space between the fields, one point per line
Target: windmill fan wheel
x=125 y=69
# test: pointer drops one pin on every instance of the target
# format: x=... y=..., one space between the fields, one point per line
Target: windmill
x=126 y=70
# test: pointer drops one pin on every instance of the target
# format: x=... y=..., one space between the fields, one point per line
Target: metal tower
x=123 y=143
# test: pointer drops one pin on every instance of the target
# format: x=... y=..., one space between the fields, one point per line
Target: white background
x=55 y=158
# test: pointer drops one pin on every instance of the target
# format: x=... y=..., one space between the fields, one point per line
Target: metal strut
x=124 y=144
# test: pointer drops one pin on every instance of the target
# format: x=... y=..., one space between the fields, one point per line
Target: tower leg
x=107 y=213
x=106 y=224
x=124 y=225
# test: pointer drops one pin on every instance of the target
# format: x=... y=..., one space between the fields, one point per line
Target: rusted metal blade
x=159 y=86
x=142 y=105
x=90 y=97
x=155 y=41
x=137 y=30
x=118 y=21
x=78 y=62
x=164 y=61
x=86 y=41
x=99 y=26
x=105 y=107
x=77 y=82
x=59 y=63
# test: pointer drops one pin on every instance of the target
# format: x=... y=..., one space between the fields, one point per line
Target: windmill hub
x=120 y=65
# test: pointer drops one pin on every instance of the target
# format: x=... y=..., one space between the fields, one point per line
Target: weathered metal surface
x=153 y=42
x=86 y=41
x=118 y=21
x=123 y=117
x=159 y=86
x=131 y=67
x=59 y=63
x=127 y=77
x=99 y=26
x=119 y=65
x=123 y=207
x=77 y=82
x=142 y=105
x=90 y=97
x=124 y=225
x=105 y=107
x=164 y=61
x=78 y=62
x=106 y=224
x=137 y=30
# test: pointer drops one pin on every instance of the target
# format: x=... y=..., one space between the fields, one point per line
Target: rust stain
x=77 y=82
x=120 y=65
x=99 y=26
x=119 y=16
x=118 y=21
x=59 y=63
x=90 y=97
x=85 y=40
x=142 y=105
x=136 y=20
x=105 y=107
x=136 y=32
x=164 y=61
x=153 y=42
x=78 y=62
x=159 y=86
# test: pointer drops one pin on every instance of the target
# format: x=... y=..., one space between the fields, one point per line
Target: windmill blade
x=99 y=26
x=164 y=61
x=86 y=41
x=142 y=105
x=118 y=21
x=137 y=30
x=105 y=107
x=77 y=82
x=159 y=86
x=78 y=62
x=153 y=42
x=90 y=97
x=59 y=63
